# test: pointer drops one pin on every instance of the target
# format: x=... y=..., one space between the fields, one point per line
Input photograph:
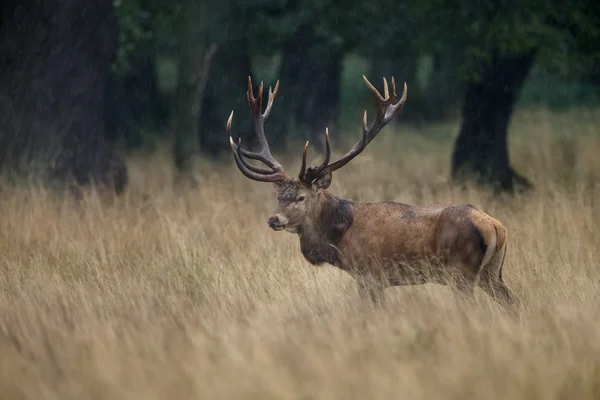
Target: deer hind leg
x=493 y=286
x=491 y=282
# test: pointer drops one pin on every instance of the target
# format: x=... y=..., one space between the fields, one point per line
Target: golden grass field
x=186 y=293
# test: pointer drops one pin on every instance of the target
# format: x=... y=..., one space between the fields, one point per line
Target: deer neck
x=320 y=236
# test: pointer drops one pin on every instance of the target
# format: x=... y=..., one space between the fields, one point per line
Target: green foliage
x=275 y=22
x=556 y=31
x=558 y=94
x=145 y=23
x=564 y=34
x=354 y=95
x=414 y=34
x=385 y=27
x=133 y=31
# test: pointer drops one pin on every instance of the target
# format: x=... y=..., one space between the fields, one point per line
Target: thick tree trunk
x=310 y=97
x=481 y=151
x=195 y=56
x=54 y=61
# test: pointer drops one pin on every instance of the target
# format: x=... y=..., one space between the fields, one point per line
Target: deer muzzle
x=277 y=222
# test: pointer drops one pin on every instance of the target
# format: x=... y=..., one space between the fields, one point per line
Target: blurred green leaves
x=558 y=32
x=565 y=34
x=134 y=30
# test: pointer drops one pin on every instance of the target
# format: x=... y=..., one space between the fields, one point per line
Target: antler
x=386 y=110
x=275 y=171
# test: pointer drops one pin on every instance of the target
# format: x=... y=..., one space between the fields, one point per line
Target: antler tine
x=385 y=107
x=272 y=177
x=394 y=108
x=249 y=170
x=247 y=164
x=302 y=173
x=386 y=110
x=255 y=104
x=272 y=95
x=307 y=176
x=250 y=95
x=386 y=90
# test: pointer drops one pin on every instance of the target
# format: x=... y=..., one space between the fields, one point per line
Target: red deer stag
x=380 y=244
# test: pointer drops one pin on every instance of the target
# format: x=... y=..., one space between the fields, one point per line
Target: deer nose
x=273 y=221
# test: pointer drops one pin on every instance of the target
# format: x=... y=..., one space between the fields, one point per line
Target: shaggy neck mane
x=319 y=239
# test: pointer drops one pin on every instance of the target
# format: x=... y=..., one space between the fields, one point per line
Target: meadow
x=184 y=292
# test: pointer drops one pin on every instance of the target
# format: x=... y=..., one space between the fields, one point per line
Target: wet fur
x=391 y=244
x=319 y=242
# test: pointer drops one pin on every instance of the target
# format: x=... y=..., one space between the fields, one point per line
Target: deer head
x=299 y=199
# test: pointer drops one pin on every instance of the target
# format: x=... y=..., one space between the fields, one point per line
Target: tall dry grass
x=187 y=294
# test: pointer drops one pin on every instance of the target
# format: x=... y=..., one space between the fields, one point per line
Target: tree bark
x=481 y=149
x=195 y=56
x=54 y=62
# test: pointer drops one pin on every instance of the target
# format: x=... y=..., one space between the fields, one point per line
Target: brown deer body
x=381 y=244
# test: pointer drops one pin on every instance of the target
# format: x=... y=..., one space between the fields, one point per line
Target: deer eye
x=301 y=198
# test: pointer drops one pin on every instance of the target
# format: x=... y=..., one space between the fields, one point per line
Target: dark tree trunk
x=481 y=151
x=54 y=61
x=225 y=91
x=195 y=55
x=310 y=95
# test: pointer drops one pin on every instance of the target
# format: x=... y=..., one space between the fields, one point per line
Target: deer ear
x=322 y=183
